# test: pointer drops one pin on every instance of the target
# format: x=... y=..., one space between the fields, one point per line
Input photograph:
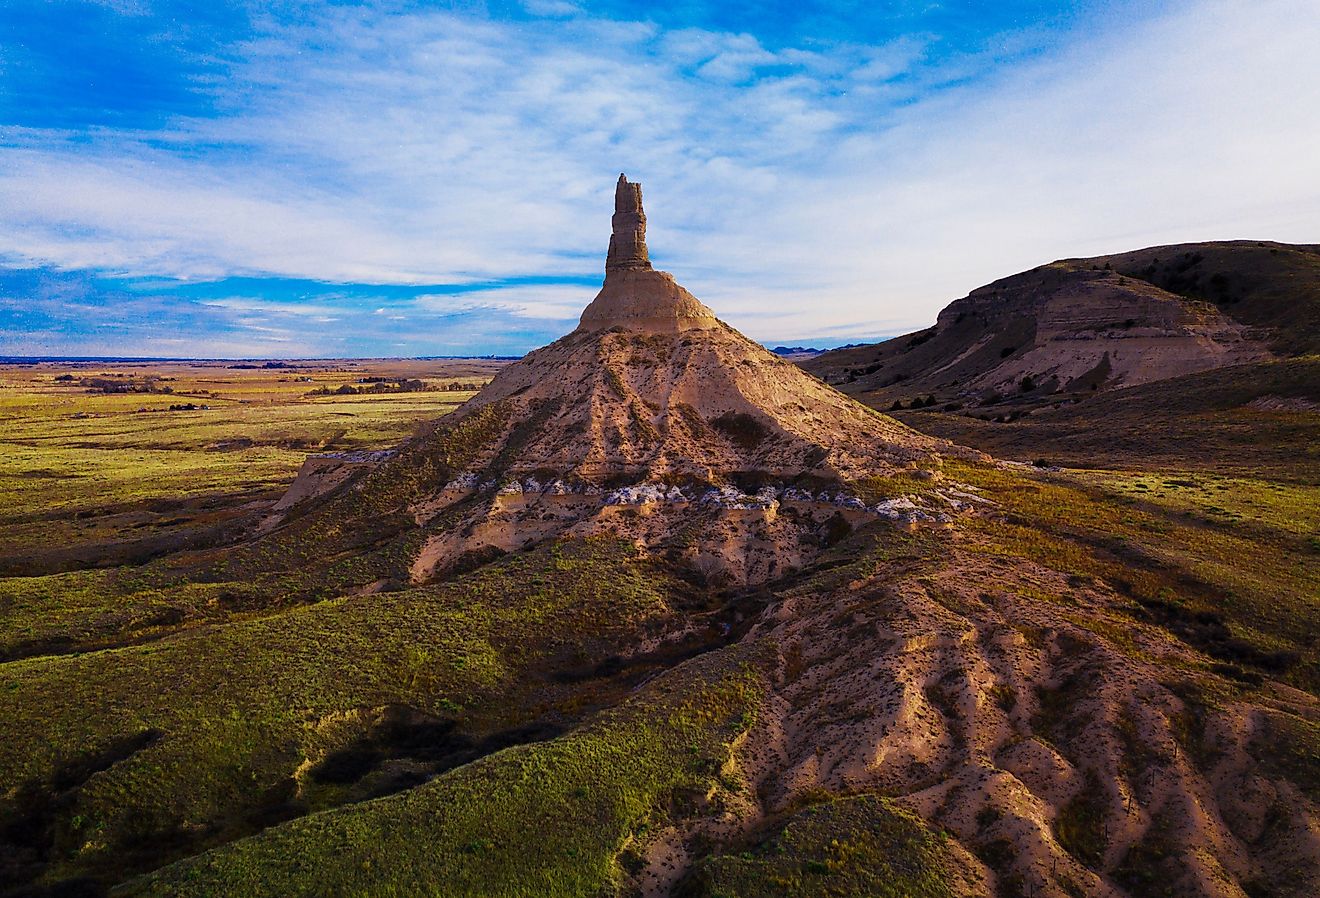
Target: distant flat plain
x=115 y=474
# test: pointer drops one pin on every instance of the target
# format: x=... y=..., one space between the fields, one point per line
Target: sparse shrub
x=741 y=429
x=616 y=383
x=1080 y=826
x=1005 y=696
x=711 y=571
x=835 y=530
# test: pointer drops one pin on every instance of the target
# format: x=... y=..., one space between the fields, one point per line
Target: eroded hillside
x=1065 y=331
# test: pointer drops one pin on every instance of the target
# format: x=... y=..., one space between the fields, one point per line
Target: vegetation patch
x=1152 y=866
x=1288 y=747
x=859 y=846
x=250 y=702
x=1081 y=827
x=549 y=819
x=743 y=430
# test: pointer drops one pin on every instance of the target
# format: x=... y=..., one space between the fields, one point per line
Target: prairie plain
x=91 y=479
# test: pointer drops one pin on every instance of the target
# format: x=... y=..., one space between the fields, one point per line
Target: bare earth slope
x=651 y=385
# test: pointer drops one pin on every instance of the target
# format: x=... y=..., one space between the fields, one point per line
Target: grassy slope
x=238 y=708
x=248 y=702
x=1178 y=554
x=546 y=820
x=858 y=846
x=1135 y=532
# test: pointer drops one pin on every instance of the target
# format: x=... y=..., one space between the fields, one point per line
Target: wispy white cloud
x=803 y=192
x=553 y=302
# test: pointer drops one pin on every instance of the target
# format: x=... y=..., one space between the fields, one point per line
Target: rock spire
x=635 y=296
x=628 y=242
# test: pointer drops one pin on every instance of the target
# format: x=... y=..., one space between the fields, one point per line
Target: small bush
x=741 y=429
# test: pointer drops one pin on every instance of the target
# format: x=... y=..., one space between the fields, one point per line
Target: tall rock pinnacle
x=628 y=242
x=636 y=296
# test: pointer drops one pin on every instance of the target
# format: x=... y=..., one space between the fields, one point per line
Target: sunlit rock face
x=628 y=242
x=635 y=296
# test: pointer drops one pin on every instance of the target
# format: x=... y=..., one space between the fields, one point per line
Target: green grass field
x=79 y=468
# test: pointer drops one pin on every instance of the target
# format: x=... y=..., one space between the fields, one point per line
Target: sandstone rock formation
x=628 y=242
x=651 y=384
x=653 y=397
x=635 y=296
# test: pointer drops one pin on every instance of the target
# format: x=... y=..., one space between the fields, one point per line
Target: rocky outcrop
x=652 y=385
x=327 y=471
x=653 y=418
x=628 y=241
x=1068 y=329
x=635 y=296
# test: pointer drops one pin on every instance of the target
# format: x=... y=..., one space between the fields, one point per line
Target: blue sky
x=313 y=179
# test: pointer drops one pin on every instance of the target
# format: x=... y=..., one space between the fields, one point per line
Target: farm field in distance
x=113 y=477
